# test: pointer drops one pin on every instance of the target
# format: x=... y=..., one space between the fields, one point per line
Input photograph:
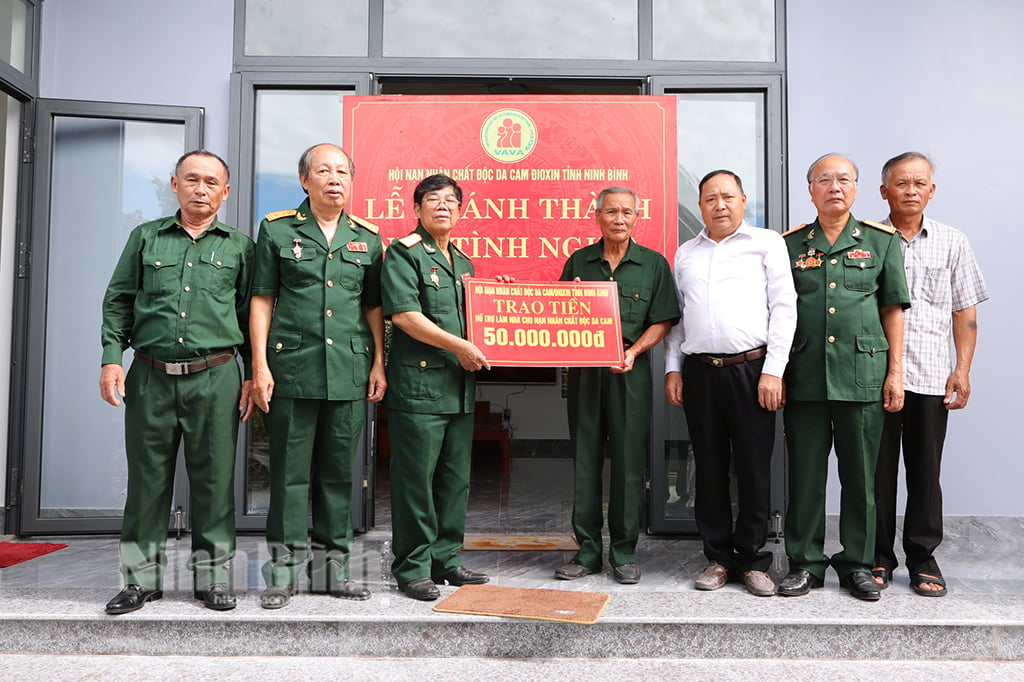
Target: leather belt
x=726 y=360
x=188 y=367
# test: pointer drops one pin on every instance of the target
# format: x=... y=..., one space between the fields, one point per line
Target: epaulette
x=364 y=223
x=280 y=214
x=410 y=240
x=880 y=226
x=794 y=230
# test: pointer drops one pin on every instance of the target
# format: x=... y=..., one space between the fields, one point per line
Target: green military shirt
x=839 y=350
x=320 y=345
x=177 y=298
x=417 y=277
x=647 y=293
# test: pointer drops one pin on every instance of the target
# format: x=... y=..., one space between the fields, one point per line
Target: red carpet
x=15 y=552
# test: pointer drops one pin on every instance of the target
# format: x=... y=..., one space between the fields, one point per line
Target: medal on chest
x=434 y=279
x=297 y=249
x=812 y=259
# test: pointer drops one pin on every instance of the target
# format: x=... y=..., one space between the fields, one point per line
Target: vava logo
x=508 y=135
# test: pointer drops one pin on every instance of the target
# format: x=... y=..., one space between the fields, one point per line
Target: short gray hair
x=905 y=156
x=617 y=190
x=306 y=160
x=810 y=169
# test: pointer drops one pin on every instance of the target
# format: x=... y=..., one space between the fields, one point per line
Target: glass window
x=527 y=29
x=727 y=30
x=287 y=123
x=306 y=28
x=720 y=130
x=108 y=176
x=14 y=42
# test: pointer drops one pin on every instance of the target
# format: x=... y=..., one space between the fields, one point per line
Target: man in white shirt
x=724 y=364
x=945 y=286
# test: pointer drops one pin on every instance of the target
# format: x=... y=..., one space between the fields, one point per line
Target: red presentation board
x=530 y=168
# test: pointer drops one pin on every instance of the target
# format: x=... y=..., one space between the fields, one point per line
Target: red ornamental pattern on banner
x=530 y=169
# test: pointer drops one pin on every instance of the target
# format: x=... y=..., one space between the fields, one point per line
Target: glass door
x=100 y=170
x=733 y=124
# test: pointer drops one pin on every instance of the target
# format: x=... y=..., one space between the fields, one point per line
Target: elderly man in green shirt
x=180 y=297
x=609 y=408
x=318 y=356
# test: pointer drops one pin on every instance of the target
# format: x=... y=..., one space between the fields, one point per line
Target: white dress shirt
x=735 y=295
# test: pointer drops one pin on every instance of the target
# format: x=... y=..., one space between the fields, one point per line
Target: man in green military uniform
x=433 y=394
x=609 y=408
x=845 y=368
x=180 y=297
x=318 y=356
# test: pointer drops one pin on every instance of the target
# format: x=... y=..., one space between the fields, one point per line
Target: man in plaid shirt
x=945 y=286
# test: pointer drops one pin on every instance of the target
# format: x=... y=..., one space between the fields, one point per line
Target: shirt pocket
x=937 y=286
x=160 y=272
x=872 y=361
x=422 y=376
x=218 y=273
x=361 y=359
x=282 y=354
x=298 y=272
x=860 y=273
x=353 y=269
x=438 y=297
x=634 y=302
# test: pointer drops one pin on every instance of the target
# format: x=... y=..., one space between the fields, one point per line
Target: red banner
x=545 y=324
x=530 y=168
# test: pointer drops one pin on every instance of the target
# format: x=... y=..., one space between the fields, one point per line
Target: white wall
x=143 y=53
x=873 y=79
x=868 y=79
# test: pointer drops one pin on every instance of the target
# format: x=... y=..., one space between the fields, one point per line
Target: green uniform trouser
x=609 y=412
x=160 y=412
x=312 y=443
x=811 y=429
x=430 y=458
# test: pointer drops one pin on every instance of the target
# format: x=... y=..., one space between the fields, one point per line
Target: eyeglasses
x=434 y=200
x=826 y=180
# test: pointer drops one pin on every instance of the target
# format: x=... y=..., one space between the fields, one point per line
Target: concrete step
x=56 y=668
x=729 y=624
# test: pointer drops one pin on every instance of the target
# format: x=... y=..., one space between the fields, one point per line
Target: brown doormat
x=15 y=552
x=550 y=543
x=564 y=606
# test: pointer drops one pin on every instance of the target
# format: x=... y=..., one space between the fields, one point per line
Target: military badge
x=428 y=248
x=297 y=249
x=356 y=246
x=812 y=259
x=434 y=278
x=858 y=254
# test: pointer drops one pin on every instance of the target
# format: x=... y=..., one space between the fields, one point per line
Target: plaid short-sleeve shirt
x=943 y=277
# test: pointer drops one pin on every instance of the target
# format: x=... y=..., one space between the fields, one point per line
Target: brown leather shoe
x=759 y=583
x=712 y=577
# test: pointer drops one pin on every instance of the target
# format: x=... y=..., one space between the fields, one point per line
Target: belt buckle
x=176 y=369
x=717 y=362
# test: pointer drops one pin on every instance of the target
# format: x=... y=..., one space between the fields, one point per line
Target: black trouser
x=727 y=424
x=921 y=425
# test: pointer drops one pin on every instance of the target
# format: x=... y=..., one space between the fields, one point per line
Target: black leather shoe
x=462 y=576
x=421 y=588
x=131 y=598
x=277 y=596
x=862 y=586
x=627 y=574
x=348 y=589
x=799 y=582
x=217 y=597
x=573 y=571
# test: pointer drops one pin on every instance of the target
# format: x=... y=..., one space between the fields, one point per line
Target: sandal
x=919 y=579
x=884 y=574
